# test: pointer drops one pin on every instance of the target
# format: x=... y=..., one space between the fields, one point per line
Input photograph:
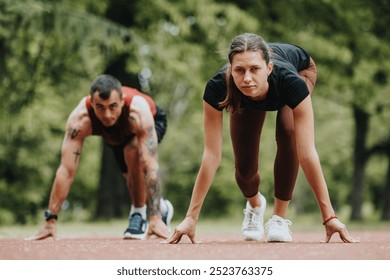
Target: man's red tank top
x=120 y=132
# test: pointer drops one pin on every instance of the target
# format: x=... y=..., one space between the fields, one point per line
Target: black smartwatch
x=49 y=216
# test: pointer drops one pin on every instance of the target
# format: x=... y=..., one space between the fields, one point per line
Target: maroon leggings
x=245 y=130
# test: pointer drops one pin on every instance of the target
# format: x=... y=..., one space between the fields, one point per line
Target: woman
x=262 y=77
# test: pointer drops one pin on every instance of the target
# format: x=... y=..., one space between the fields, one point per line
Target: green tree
x=49 y=51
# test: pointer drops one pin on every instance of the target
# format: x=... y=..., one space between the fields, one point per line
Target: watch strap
x=49 y=216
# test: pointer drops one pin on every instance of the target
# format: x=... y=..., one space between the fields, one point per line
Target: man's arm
x=148 y=152
x=142 y=117
x=152 y=175
x=70 y=158
x=77 y=128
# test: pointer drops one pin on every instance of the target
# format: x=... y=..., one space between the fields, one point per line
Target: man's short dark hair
x=104 y=84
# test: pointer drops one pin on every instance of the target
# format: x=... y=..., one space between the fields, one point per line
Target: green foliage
x=49 y=54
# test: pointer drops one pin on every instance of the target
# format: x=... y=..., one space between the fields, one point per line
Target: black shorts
x=160 y=124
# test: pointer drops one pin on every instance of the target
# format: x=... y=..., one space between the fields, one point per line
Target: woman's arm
x=310 y=163
x=308 y=157
x=211 y=158
x=212 y=154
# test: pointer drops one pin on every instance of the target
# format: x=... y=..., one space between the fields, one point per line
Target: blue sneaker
x=138 y=227
x=166 y=211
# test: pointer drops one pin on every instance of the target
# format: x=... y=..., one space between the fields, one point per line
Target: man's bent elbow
x=65 y=173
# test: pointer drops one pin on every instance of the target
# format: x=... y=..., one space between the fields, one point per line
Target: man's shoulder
x=81 y=108
x=140 y=104
x=79 y=118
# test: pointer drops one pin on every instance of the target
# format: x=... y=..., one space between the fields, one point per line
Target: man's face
x=107 y=110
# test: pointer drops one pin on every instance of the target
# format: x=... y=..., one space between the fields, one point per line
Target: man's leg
x=145 y=187
x=138 y=225
x=135 y=175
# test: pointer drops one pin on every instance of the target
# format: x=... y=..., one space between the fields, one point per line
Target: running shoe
x=138 y=227
x=253 y=224
x=167 y=211
x=277 y=230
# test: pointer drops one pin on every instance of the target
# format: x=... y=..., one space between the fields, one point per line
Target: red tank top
x=120 y=132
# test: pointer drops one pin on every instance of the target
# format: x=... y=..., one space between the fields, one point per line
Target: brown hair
x=242 y=43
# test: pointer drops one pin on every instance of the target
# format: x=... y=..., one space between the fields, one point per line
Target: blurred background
x=50 y=51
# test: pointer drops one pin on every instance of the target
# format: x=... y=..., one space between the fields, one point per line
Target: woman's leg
x=245 y=129
x=286 y=165
x=286 y=161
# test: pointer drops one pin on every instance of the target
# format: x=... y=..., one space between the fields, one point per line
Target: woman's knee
x=285 y=132
x=248 y=183
x=285 y=135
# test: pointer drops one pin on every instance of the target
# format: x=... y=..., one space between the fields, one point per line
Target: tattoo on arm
x=152 y=176
x=77 y=155
x=151 y=143
x=153 y=186
x=73 y=133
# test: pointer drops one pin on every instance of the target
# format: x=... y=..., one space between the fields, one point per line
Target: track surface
x=374 y=245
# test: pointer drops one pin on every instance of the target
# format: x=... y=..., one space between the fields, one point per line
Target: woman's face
x=250 y=73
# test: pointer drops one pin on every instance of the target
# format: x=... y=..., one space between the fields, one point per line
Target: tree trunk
x=386 y=192
x=113 y=196
x=360 y=159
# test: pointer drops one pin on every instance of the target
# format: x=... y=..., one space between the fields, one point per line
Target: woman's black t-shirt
x=286 y=87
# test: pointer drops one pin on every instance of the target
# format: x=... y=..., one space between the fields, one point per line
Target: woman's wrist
x=192 y=216
x=325 y=221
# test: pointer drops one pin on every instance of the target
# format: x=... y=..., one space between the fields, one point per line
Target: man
x=132 y=125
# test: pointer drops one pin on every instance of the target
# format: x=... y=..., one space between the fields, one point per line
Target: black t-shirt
x=286 y=87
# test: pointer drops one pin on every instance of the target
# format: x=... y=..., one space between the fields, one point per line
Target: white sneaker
x=253 y=224
x=277 y=230
x=167 y=211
